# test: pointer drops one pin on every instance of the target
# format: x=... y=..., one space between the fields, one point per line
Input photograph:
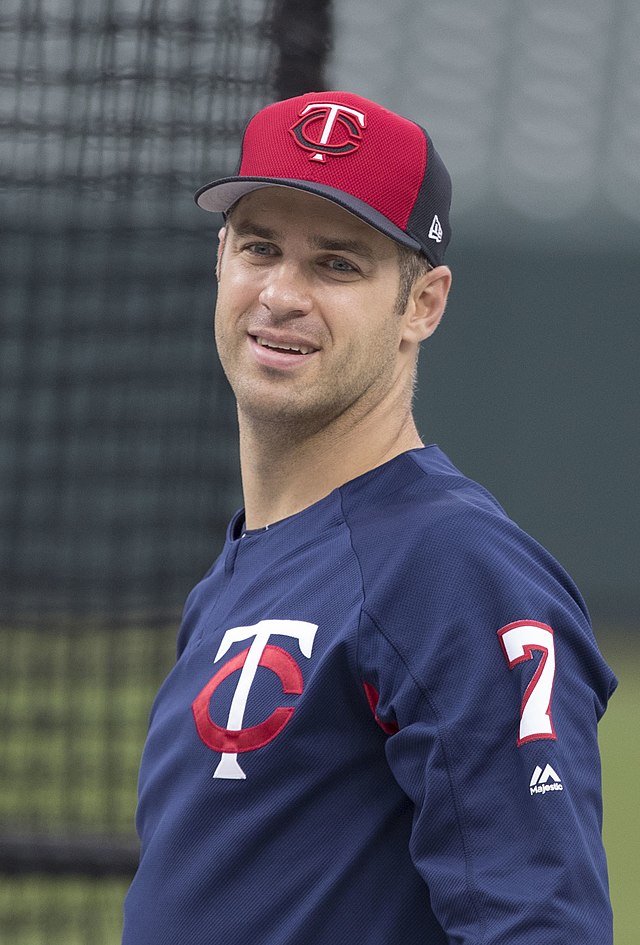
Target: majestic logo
x=540 y=781
x=326 y=128
x=234 y=739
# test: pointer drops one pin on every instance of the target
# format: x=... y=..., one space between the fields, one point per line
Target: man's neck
x=282 y=475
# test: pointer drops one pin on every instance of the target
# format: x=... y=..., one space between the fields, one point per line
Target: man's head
x=330 y=263
x=377 y=165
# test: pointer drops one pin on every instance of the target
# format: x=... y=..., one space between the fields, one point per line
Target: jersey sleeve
x=485 y=670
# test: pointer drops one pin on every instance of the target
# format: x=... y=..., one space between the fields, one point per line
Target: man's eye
x=260 y=249
x=341 y=265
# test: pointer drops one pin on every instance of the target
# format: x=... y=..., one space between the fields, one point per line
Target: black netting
x=118 y=465
x=118 y=457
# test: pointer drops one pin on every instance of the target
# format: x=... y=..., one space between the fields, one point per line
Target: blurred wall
x=531 y=382
x=118 y=455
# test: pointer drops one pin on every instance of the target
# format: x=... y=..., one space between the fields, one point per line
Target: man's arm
x=496 y=686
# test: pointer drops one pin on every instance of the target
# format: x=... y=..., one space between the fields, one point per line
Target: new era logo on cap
x=377 y=165
x=435 y=231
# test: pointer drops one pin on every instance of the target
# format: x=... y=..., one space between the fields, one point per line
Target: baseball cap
x=379 y=166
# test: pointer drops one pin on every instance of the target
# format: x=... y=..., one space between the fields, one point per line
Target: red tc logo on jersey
x=234 y=739
x=326 y=128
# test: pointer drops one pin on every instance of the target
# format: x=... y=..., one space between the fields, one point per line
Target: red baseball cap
x=377 y=165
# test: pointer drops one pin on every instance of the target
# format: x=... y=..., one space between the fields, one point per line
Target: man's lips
x=281 y=352
x=294 y=345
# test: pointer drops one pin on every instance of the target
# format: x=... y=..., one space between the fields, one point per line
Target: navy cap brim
x=220 y=195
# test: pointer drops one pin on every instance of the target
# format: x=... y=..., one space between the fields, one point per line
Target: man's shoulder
x=426 y=531
x=441 y=552
x=421 y=498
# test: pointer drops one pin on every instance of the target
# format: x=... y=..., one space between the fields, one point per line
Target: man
x=381 y=726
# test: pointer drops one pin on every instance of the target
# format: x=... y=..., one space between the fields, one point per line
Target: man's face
x=305 y=324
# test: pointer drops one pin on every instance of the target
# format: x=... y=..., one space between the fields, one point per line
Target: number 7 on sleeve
x=519 y=641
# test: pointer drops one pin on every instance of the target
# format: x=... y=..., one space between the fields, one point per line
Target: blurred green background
x=62 y=909
x=118 y=462
x=620 y=749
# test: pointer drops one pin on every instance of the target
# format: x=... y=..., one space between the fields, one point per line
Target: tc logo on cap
x=339 y=130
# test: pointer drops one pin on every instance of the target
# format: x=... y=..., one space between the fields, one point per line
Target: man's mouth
x=282 y=346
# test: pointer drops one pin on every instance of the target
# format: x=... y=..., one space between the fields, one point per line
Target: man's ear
x=222 y=235
x=426 y=305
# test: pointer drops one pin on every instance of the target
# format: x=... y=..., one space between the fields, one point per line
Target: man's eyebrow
x=344 y=245
x=247 y=227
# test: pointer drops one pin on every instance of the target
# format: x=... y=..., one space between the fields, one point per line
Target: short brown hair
x=412 y=265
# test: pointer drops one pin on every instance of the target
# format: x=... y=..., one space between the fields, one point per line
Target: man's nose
x=286 y=291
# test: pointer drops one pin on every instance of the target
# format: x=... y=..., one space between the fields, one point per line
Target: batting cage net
x=117 y=441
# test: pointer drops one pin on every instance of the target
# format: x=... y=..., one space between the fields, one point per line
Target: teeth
x=282 y=347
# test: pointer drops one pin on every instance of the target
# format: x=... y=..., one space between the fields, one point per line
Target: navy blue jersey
x=380 y=728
